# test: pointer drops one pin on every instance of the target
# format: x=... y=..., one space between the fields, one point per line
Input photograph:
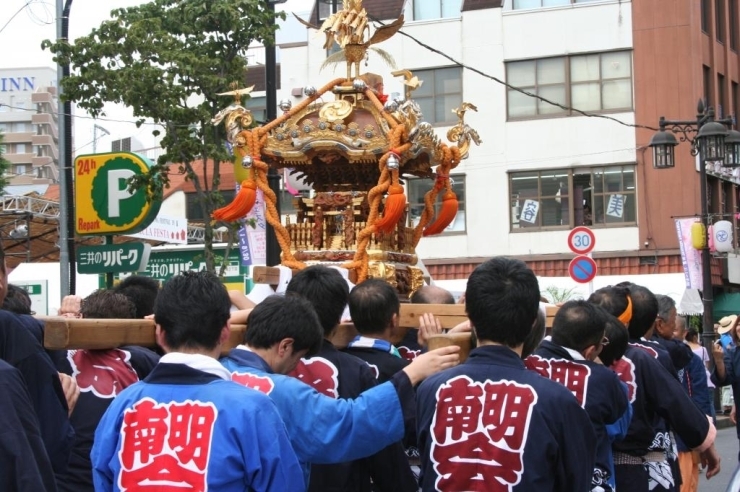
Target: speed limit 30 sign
x=581 y=240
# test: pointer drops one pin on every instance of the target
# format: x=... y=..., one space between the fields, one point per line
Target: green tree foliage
x=4 y=167
x=167 y=60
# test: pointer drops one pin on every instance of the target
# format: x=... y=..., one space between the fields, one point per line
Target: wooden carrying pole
x=73 y=333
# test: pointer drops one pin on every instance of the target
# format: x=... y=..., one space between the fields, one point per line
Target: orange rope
x=381 y=109
x=450 y=160
x=255 y=141
x=360 y=262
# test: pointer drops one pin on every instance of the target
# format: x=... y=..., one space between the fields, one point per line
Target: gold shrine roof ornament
x=347 y=29
x=352 y=150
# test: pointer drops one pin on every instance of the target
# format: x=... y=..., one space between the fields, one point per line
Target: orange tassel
x=445 y=216
x=395 y=203
x=240 y=205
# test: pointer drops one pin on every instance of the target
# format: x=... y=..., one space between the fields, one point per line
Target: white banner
x=173 y=230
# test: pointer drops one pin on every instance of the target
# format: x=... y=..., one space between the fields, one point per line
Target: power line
x=132 y=122
x=29 y=2
x=512 y=87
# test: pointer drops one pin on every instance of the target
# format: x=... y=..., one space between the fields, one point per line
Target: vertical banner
x=253 y=240
x=690 y=257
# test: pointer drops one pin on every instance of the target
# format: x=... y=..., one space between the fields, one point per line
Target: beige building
x=28 y=121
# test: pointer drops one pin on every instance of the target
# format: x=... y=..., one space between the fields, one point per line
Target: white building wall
x=485 y=40
x=17 y=85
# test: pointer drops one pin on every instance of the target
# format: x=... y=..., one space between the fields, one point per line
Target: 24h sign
x=103 y=204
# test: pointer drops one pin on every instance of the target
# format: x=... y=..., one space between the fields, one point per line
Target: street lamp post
x=712 y=142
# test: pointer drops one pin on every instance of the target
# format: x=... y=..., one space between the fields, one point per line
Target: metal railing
x=48 y=209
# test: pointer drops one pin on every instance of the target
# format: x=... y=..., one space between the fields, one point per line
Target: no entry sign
x=582 y=269
x=581 y=240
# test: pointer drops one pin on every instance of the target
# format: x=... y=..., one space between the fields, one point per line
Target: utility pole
x=66 y=185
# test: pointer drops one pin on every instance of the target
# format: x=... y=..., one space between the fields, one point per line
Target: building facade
x=544 y=166
x=28 y=121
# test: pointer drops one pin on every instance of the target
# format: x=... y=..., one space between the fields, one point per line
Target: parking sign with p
x=103 y=203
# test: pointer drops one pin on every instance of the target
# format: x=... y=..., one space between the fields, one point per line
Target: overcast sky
x=35 y=20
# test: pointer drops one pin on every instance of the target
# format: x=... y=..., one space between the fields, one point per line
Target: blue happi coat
x=323 y=429
x=186 y=429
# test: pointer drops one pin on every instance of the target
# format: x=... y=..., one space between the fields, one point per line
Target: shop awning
x=726 y=304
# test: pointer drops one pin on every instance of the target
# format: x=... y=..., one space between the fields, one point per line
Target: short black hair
x=613 y=299
x=644 y=309
x=372 y=305
x=692 y=335
x=326 y=290
x=107 y=304
x=280 y=317
x=142 y=291
x=535 y=336
x=502 y=299
x=618 y=339
x=192 y=309
x=17 y=300
x=431 y=294
x=578 y=325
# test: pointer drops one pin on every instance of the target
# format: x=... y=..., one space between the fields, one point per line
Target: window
x=721 y=96
x=20 y=169
x=258 y=107
x=719 y=19
x=326 y=8
x=565 y=198
x=705 y=16
x=596 y=82
x=535 y=4
x=734 y=21
x=122 y=145
x=192 y=204
x=418 y=187
x=440 y=93
x=707 y=75
x=736 y=102
x=436 y=9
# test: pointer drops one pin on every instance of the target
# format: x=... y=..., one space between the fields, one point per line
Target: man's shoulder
x=371 y=354
x=220 y=392
x=482 y=375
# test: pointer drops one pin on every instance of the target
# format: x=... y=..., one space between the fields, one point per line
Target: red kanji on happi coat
x=479 y=431
x=650 y=350
x=166 y=447
x=625 y=370
x=105 y=373
x=263 y=384
x=572 y=375
x=407 y=353
x=320 y=374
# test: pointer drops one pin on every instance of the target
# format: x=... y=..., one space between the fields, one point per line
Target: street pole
x=273 y=178
x=703 y=144
x=707 y=332
x=64 y=123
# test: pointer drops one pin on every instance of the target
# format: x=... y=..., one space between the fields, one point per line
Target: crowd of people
x=616 y=395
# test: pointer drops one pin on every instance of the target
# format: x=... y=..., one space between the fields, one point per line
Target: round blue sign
x=582 y=269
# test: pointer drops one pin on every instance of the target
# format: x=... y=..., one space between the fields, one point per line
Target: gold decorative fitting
x=335 y=111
